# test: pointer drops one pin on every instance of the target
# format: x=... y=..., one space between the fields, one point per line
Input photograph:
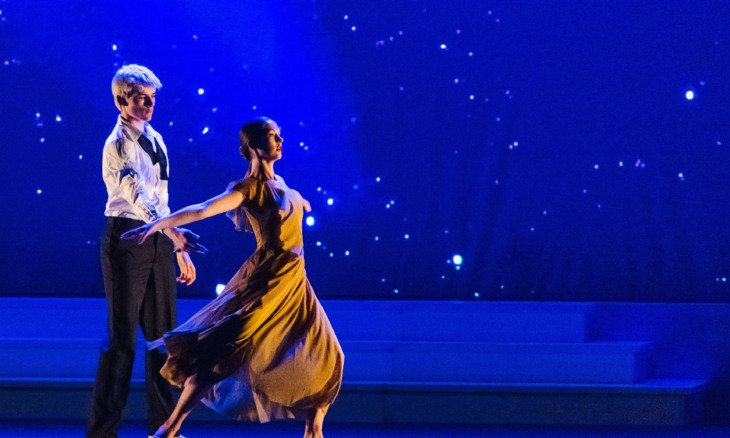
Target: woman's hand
x=187 y=268
x=140 y=234
x=185 y=240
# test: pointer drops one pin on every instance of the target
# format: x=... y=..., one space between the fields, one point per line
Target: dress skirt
x=265 y=343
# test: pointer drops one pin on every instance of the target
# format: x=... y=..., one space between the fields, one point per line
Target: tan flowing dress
x=265 y=340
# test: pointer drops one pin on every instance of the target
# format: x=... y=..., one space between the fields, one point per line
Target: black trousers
x=140 y=288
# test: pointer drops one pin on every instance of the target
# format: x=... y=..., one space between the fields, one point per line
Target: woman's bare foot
x=165 y=431
x=314 y=423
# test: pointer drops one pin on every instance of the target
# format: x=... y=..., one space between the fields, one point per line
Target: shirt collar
x=148 y=131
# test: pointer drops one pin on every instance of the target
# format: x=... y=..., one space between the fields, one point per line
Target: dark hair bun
x=250 y=131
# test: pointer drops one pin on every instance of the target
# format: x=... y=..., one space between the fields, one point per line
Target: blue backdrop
x=547 y=150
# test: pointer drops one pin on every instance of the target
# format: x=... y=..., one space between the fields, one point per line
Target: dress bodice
x=272 y=212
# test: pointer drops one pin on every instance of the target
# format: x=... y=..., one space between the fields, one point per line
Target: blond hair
x=129 y=77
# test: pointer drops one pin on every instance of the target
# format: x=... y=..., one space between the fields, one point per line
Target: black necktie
x=156 y=156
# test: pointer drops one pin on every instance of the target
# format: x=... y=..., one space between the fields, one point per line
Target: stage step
x=454 y=362
x=376 y=320
x=650 y=403
x=460 y=321
x=594 y=362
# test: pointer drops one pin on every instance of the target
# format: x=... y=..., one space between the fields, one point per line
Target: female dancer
x=264 y=348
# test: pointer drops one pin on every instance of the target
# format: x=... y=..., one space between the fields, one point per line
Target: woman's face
x=269 y=144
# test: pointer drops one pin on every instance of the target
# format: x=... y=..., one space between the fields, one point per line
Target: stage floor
x=68 y=429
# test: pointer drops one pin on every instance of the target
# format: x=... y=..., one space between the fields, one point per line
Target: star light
x=310 y=221
x=39 y=192
x=201 y=91
x=205 y=130
x=330 y=201
x=457 y=259
x=689 y=94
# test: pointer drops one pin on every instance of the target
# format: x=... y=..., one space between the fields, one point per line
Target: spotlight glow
x=689 y=95
x=457 y=259
x=309 y=221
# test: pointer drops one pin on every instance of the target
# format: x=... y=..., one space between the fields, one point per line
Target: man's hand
x=185 y=240
x=187 y=268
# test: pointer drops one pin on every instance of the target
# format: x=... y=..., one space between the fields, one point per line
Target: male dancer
x=139 y=280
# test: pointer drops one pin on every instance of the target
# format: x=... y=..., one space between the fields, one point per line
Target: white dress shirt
x=133 y=183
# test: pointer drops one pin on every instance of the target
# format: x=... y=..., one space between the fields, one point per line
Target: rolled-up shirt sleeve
x=125 y=181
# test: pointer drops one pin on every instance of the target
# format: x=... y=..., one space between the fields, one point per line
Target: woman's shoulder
x=245 y=185
x=253 y=190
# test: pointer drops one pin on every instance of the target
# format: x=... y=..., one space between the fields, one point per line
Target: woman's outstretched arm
x=222 y=203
